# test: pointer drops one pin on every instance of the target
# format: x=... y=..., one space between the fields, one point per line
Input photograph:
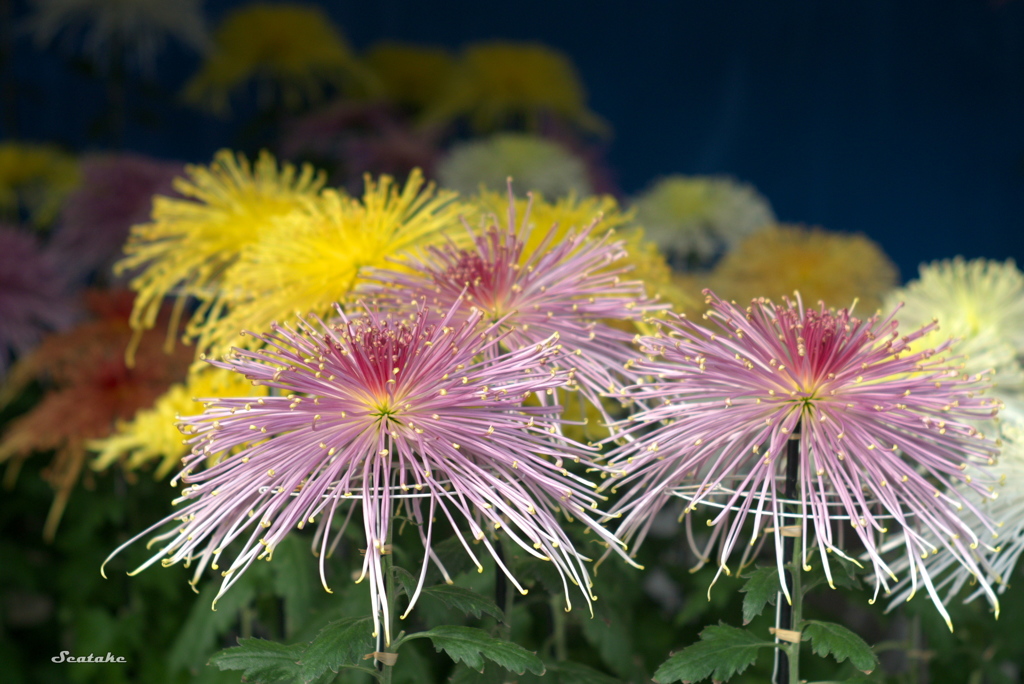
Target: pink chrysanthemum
x=571 y=289
x=402 y=415
x=33 y=299
x=116 y=192
x=883 y=432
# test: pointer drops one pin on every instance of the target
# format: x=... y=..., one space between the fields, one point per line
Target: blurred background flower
x=88 y=389
x=129 y=32
x=293 y=53
x=533 y=163
x=34 y=180
x=695 y=219
x=34 y=294
x=116 y=192
x=823 y=265
x=500 y=85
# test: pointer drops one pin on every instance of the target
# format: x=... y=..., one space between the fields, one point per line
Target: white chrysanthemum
x=138 y=28
x=1006 y=509
x=695 y=218
x=981 y=303
x=532 y=162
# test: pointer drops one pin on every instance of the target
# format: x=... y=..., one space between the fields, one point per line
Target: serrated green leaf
x=762 y=588
x=406 y=579
x=828 y=638
x=723 y=651
x=465 y=600
x=342 y=643
x=261 y=661
x=471 y=646
x=844 y=574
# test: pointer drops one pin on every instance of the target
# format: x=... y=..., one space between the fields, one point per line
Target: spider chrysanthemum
x=396 y=417
x=883 y=433
x=980 y=304
x=186 y=248
x=570 y=285
x=310 y=259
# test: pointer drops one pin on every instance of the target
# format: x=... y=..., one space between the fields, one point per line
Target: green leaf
x=406 y=579
x=471 y=646
x=294 y=573
x=575 y=673
x=723 y=651
x=199 y=634
x=261 y=661
x=844 y=574
x=762 y=588
x=342 y=643
x=469 y=602
x=828 y=638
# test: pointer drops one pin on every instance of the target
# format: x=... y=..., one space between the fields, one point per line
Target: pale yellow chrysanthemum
x=315 y=257
x=35 y=179
x=501 y=84
x=981 y=304
x=111 y=29
x=186 y=248
x=152 y=436
x=695 y=218
x=410 y=75
x=533 y=163
x=836 y=268
x=293 y=53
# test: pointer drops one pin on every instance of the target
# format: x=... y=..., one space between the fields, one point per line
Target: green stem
x=798 y=612
x=558 y=618
x=387 y=563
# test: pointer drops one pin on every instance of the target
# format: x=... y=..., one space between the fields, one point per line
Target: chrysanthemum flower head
x=116 y=193
x=310 y=259
x=34 y=180
x=401 y=415
x=293 y=52
x=834 y=267
x=696 y=218
x=89 y=389
x=33 y=296
x=187 y=247
x=152 y=435
x=882 y=432
x=534 y=163
x=130 y=30
x=568 y=214
x=567 y=286
x=498 y=85
x=980 y=303
x=410 y=75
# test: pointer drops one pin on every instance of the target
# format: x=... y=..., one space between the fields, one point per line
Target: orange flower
x=89 y=389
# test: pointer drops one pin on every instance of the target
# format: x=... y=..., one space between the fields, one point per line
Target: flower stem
x=387 y=563
x=502 y=596
x=787 y=659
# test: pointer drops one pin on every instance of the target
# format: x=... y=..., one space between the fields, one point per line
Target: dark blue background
x=903 y=120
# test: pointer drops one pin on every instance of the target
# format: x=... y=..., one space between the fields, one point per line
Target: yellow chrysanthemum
x=500 y=84
x=315 y=257
x=153 y=435
x=834 y=267
x=190 y=242
x=292 y=51
x=35 y=179
x=410 y=75
x=981 y=304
